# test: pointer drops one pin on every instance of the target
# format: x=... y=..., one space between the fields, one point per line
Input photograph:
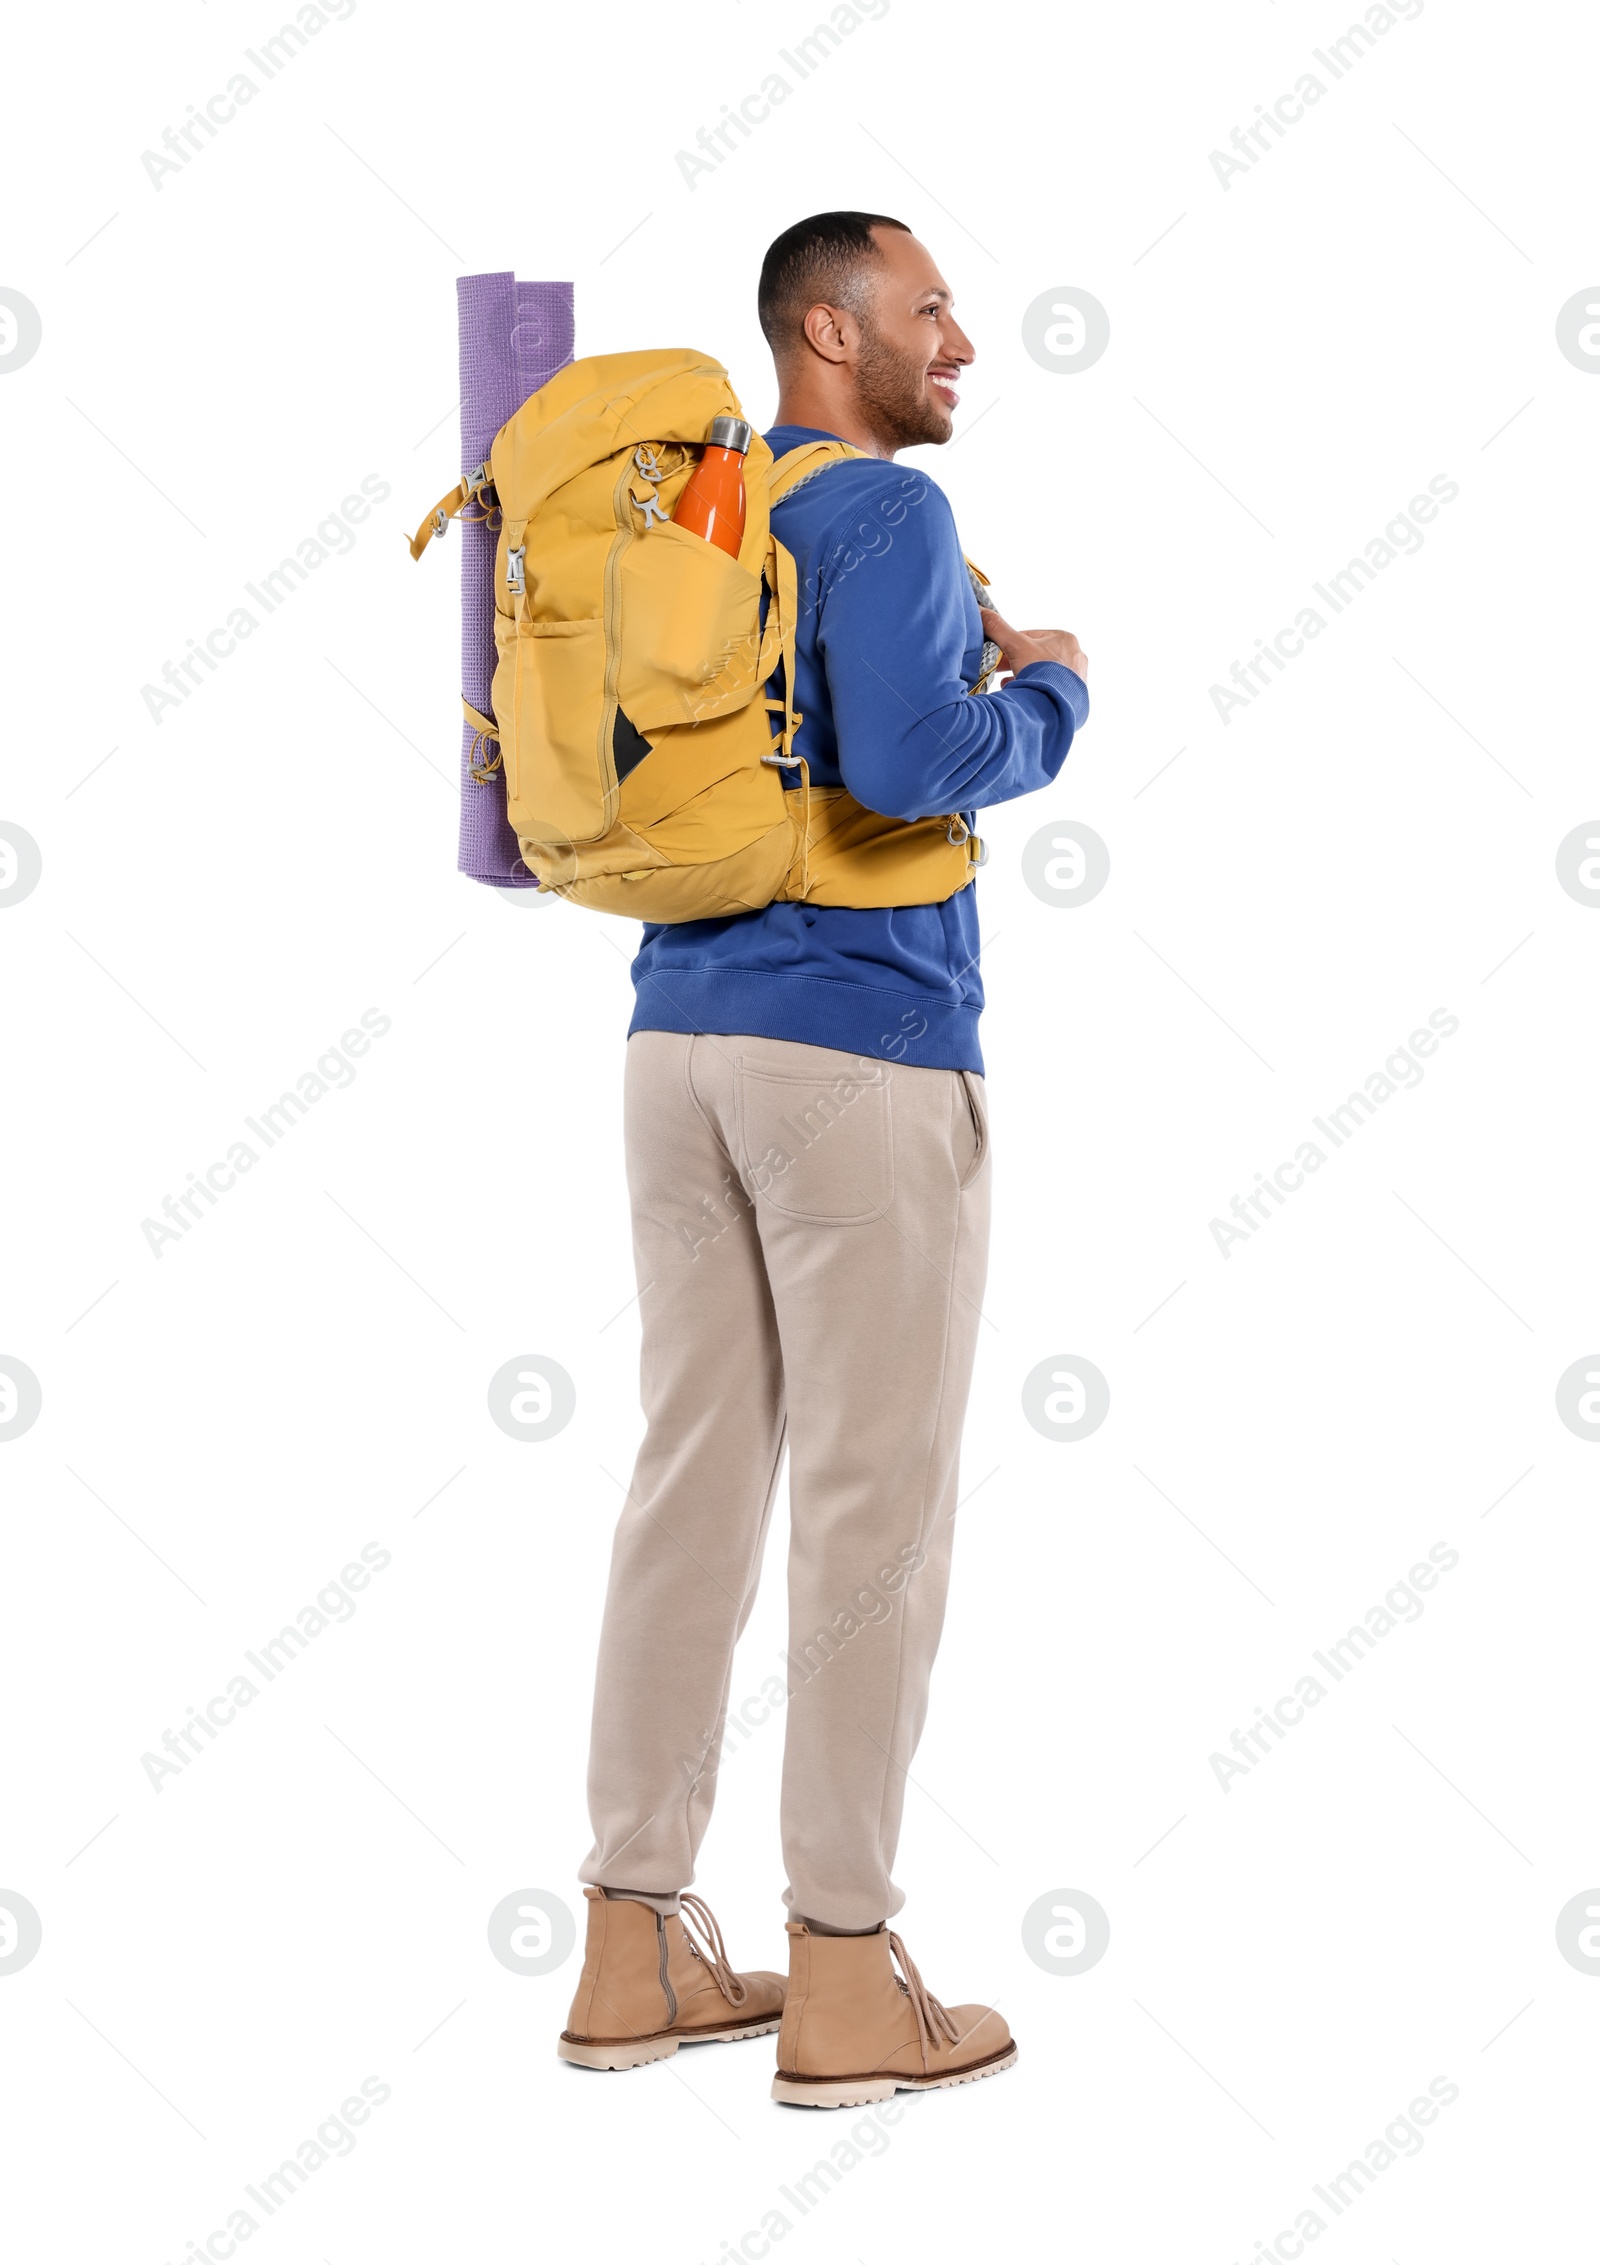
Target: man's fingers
x=996 y=626
x=1019 y=648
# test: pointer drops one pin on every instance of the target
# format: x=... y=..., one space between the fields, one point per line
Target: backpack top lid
x=596 y=407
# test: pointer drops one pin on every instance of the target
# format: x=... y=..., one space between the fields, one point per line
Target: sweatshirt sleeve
x=896 y=620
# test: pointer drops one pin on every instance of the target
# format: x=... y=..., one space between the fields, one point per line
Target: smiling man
x=807 y=1142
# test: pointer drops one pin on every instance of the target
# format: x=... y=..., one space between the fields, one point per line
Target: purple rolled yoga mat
x=513 y=337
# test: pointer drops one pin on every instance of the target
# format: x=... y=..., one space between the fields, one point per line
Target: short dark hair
x=816 y=259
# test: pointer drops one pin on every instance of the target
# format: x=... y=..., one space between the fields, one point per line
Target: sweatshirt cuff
x=1059 y=678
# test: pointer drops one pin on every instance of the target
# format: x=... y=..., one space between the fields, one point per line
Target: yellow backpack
x=642 y=772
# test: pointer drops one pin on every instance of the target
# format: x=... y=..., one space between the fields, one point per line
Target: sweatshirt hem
x=879 y=1022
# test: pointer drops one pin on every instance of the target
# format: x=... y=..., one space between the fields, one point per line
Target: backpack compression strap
x=485 y=737
x=472 y=487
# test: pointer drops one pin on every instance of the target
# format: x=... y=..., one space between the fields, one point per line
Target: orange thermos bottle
x=712 y=504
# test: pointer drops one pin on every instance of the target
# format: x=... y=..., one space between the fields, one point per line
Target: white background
x=1292 y=1959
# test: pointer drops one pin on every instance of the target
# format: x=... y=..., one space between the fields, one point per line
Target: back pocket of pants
x=818 y=1148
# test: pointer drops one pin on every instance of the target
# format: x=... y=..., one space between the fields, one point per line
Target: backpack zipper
x=621 y=511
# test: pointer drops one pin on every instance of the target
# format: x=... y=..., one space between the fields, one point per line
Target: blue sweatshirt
x=888 y=640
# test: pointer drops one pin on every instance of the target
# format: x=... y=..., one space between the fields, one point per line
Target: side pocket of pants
x=977 y=1099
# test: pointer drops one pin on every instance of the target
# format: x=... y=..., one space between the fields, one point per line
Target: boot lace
x=932 y=2017
x=698 y=1920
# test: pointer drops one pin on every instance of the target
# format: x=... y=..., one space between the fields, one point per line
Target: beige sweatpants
x=811 y=1233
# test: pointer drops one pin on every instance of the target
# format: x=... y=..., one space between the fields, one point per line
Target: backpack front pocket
x=689 y=632
x=549 y=699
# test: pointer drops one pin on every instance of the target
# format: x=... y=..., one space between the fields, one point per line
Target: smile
x=946 y=385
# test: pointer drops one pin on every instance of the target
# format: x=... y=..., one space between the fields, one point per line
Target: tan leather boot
x=853 y=2031
x=648 y=1987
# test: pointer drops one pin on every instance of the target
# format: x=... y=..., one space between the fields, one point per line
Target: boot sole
x=638 y=2052
x=861 y=2091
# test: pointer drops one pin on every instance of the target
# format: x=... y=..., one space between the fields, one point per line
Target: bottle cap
x=730 y=432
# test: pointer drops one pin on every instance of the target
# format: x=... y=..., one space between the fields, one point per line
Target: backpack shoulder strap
x=784 y=475
x=803 y=463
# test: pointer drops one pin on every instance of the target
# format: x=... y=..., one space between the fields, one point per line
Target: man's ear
x=831 y=332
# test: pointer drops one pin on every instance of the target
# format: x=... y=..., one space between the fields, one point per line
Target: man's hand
x=1020 y=648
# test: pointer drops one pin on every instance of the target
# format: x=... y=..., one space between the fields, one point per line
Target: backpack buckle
x=477 y=489
x=514 y=558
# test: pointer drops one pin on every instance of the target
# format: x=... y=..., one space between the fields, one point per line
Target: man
x=807 y=1144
